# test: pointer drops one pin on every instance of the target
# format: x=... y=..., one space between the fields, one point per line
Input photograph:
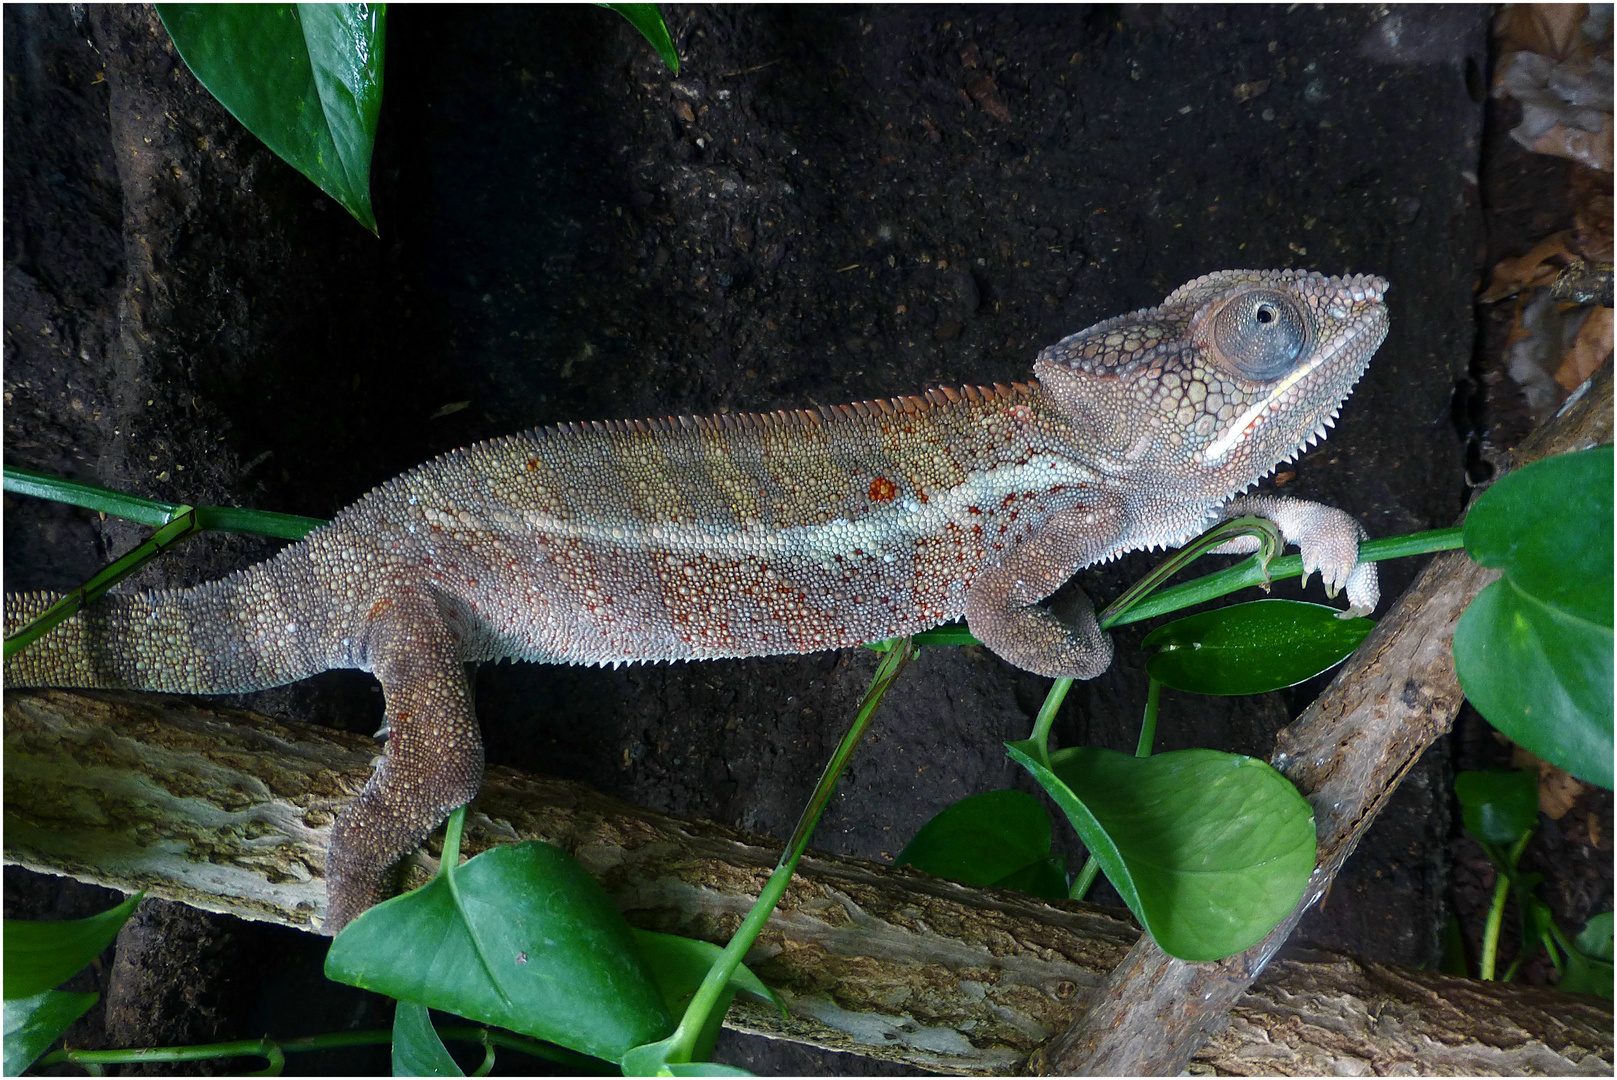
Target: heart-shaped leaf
x=33 y=1023
x=1251 y=648
x=992 y=838
x=521 y=937
x=678 y=966
x=1499 y=805
x=1534 y=649
x=1209 y=850
x=417 y=1049
x=1588 y=963
x=305 y=78
x=1595 y=941
x=39 y=956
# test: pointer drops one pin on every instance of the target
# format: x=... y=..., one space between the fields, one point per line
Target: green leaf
x=1534 y=649
x=1586 y=976
x=1046 y=879
x=521 y=937
x=1595 y=941
x=705 y=1068
x=41 y=955
x=1209 y=850
x=1499 y=805
x=417 y=1049
x=1252 y=648
x=33 y=1023
x=305 y=78
x=990 y=839
x=649 y=21
x=1549 y=527
x=678 y=965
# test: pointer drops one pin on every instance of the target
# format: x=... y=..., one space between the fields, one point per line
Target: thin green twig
x=678 y=1047
x=1496 y=909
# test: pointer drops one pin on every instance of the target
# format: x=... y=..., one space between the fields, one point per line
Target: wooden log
x=230 y=811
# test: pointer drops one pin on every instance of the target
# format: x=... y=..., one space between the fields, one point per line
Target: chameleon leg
x=1003 y=607
x=433 y=762
x=1329 y=539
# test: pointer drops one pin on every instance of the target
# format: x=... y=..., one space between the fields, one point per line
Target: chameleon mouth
x=1248 y=420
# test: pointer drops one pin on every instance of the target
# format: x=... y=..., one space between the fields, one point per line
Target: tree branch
x=230 y=811
x=1346 y=753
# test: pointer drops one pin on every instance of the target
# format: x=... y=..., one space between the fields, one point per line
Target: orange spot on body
x=882 y=489
x=533 y=465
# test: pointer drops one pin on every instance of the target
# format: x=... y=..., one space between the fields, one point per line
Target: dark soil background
x=827 y=204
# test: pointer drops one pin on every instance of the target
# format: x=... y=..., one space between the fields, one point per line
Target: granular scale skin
x=753 y=535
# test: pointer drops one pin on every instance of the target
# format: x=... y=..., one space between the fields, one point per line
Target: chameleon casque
x=751 y=535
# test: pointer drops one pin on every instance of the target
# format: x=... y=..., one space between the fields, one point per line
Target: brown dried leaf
x=1537 y=267
x=1586 y=148
x=1558 y=790
x=1550 y=29
x=1591 y=198
x=1589 y=351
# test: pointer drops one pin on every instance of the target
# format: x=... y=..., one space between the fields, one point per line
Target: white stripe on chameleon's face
x=884 y=532
x=1243 y=425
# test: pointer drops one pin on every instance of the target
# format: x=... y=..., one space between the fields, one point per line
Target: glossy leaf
x=678 y=965
x=1595 y=941
x=993 y=838
x=1499 y=805
x=417 y=1049
x=40 y=956
x=523 y=938
x=1251 y=648
x=33 y=1023
x=649 y=21
x=1534 y=649
x=1588 y=963
x=1209 y=850
x=1549 y=526
x=305 y=78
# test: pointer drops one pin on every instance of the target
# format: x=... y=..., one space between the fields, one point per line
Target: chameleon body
x=751 y=535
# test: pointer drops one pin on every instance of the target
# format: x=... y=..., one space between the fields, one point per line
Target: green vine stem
x=273 y=1051
x=174 y=523
x=1496 y=910
x=677 y=1048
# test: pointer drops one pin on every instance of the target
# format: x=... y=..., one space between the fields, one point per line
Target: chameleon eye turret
x=1259 y=334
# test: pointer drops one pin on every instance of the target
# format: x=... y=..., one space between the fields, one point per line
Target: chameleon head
x=1232 y=373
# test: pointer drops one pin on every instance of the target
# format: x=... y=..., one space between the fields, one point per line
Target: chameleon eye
x=1260 y=334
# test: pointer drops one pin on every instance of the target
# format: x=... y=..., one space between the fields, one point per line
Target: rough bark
x=1347 y=752
x=229 y=811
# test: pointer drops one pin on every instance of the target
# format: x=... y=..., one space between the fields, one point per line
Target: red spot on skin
x=380 y=606
x=882 y=489
x=533 y=465
x=919 y=494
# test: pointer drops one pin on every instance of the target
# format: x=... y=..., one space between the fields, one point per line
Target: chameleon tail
x=225 y=636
